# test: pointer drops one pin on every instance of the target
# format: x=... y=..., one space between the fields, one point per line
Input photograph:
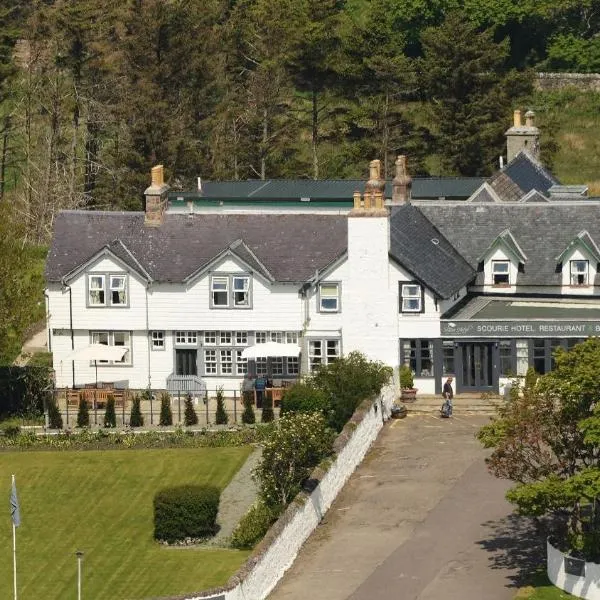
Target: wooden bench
x=96 y=398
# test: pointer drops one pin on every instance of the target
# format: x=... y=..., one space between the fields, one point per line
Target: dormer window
x=579 y=272
x=107 y=289
x=501 y=272
x=96 y=290
x=230 y=291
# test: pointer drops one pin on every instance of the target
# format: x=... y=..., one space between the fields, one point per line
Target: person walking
x=448 y=394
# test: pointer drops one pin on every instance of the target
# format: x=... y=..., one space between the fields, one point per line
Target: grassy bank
x=101 y=503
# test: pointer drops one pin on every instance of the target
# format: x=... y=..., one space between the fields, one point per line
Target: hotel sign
x=511 y=329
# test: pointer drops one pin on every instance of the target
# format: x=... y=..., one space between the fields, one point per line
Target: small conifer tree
x=248 y=416
x=166 y=414
x=267 y=410
x=83 y=414
x=136 y=419
x=221 y=416
x=190 y=417
x=54 y=416
x=110 y=416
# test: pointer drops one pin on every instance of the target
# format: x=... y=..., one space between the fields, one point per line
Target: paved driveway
x=421 y=519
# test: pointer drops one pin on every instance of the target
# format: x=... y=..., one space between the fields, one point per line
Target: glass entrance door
x=186 y=362
x=477 y=369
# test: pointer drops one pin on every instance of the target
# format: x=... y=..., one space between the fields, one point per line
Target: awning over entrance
x=271 y=349
x=97 y=352
x=492 y=316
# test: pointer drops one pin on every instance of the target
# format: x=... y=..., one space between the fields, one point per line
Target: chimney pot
x=402 y=183
x=530 y=119
x=158 y=176
x=517 y=118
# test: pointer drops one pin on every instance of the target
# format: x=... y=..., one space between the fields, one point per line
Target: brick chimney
x=402 y=184
x=523 y=137
x=156 y=198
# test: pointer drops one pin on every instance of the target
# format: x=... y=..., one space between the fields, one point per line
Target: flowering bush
x=294 y=449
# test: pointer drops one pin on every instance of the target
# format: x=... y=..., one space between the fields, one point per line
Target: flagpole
x=14 y=550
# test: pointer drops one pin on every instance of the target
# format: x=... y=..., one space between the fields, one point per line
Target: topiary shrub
x=83 y=414
x=54 y=417
x=136 y=419
x=248 y=416
x=253 y=526
x=303 y=398
x=407 y=381
x=10 y=428
x=267 y=414
x=166 y=414
x=186 y=511
x=190 y=417
x=221 y=416
x=110 y=416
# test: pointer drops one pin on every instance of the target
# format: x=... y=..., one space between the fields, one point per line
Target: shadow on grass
x=515 y=544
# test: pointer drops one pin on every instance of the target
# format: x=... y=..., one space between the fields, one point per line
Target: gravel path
x=236 y=499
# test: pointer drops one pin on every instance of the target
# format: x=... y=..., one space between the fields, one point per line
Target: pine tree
x=267 y=410
x=248 y=416
x=190 y=416
x=83 y=414
x=110 y=417
x=136 y=419
x=54 y=416
x=221 y=416
x=166 y=414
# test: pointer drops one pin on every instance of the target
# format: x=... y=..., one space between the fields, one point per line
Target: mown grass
x=541 y=589
x=101 y=503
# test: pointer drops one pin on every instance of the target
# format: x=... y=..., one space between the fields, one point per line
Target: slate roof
x=458 y=188
x=422 y=249
x=290 y=247
x=542 y=231
x=521 y=175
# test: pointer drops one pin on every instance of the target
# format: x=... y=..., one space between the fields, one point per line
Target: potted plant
x=408 y=392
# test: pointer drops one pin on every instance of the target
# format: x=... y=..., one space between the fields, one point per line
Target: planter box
x=573 y=575
x=408 y=394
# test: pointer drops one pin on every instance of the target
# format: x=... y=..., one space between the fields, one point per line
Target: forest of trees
x=94 y=92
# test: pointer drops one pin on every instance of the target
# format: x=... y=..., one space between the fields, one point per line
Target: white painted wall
x=370 y=308
x=587 y=587
x=279 y=557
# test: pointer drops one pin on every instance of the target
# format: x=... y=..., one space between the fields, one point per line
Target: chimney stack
x=156 y=198
x=401 y=186
x=372 y=203
x=523 y=137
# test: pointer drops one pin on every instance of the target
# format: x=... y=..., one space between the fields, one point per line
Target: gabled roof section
x=288 y=247
x=521 y=175
x=582 y=240
x=418 y=246
x=507 y=241
x=484 y=193
x=534 y=196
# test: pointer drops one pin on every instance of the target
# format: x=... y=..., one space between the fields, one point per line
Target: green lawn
x=542 y=589
x=101 y=503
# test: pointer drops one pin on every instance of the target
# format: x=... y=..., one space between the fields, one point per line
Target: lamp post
x=79 y=555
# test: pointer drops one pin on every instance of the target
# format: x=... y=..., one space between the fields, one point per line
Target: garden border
x=585 y=586
x=259 y=575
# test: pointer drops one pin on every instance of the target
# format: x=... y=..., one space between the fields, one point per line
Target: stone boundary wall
x=584 y=82
x=278 y=550
x=586 y=586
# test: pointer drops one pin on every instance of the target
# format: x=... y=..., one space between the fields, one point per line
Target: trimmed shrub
x=221 y=416
x=407 y=381
x=267 y=414
x=110 y=416
x=253 y=526
x=166 y=414
x=10 y=428
x=136 y=419
x=190 y=417
x=248 y=416
x=186 y=511
x=303 y=398
x=83 y=414
x=54 y=417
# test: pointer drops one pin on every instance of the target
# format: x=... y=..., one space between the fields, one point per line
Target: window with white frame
x=241 y=338
x=225 y=338
x=261 y=366
x=277 y=336
x=186 y=338
x=241 y=363
x=158 y=340
x=96 y=287
x=329 y=297
x=579 y=272
x=293 y=365
x=291 y=337
x=230 y=291
x=501 y=272
x=118 y=290
x=210 y=338
x=226 y=358
x=261 y=337
x=114 y=338
x=210 y=362
x=411 y=298
x=241 y=291
x=277 y=365
x=322 y=352
x=117 y=293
